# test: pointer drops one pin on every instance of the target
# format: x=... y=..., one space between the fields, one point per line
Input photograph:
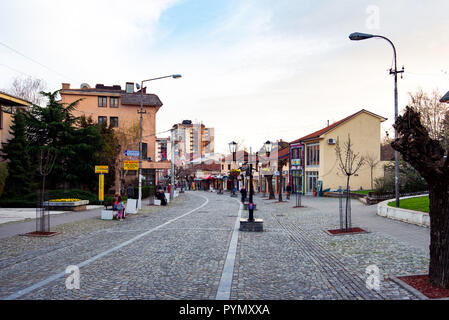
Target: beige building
x=8 y=106
x=112 y=105
x=321 y=162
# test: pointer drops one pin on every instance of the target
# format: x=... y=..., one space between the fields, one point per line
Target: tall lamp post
x=356 y=36
x=141 y=112
x=232 y=149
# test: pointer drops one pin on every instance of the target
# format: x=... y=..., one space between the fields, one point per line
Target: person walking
x=243 y=192
x=289 y=190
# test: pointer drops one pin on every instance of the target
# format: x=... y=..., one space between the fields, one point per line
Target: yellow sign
x=101 y=169
x=131 y=164
x=101 y=187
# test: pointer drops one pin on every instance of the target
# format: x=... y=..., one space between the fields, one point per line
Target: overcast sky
x=252 y=69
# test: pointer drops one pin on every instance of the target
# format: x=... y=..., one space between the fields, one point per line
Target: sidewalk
x=8 y=216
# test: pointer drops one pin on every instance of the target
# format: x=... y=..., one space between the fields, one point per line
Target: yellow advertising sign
x=101 y=187
x=131 y=164
x=101 y=169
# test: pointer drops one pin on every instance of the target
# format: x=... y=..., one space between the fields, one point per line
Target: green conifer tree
x=20 y=171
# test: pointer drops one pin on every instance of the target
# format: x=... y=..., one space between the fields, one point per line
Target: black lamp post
x=233 y=149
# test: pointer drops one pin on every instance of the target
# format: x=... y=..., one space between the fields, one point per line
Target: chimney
x=65 y=86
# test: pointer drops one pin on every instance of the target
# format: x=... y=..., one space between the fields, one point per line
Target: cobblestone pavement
x=177 y=252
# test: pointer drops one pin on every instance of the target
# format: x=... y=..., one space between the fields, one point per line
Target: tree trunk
x=270 y=188
x=371 y=178
x=347 y=202
x=439 y=236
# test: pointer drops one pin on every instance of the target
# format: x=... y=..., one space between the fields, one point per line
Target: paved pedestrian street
x=186 y=251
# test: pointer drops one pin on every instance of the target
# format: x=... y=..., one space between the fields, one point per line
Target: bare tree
x=127 y=138
x=372 y=162
x=432 y=111
x=28 y=89
x=47 y=159
x=349 y=163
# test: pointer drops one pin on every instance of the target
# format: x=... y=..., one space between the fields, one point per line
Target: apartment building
x=113 y=106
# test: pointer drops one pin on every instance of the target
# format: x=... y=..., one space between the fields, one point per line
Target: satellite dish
x=84 y=86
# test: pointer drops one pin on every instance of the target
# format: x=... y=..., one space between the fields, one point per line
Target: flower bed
x=66 y=204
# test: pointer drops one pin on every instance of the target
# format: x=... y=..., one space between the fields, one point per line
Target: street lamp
x=356 y=36
x=141 y=112
x=232 y=149
x=268 y=146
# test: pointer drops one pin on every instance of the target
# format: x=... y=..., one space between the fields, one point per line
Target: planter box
x=107 y=214
x=67 y=206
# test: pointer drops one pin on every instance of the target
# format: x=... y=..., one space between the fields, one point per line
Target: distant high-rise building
x=193 y=140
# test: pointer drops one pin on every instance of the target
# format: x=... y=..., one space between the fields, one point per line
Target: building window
x=313 y=154
x=229 y=167
x=113 y=121
x=311 y=180
x=102 y=120
x=102 y=101
x=1 y=118
x=144 y=150
x=113 y=102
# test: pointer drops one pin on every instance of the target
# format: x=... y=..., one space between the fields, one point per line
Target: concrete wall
x=410 y=216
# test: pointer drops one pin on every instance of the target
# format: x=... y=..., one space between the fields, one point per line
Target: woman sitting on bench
x=119 y=207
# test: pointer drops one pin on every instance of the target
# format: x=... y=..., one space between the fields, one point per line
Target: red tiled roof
x=318 y=133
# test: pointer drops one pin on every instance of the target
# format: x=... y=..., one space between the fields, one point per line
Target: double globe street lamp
x=356 y=36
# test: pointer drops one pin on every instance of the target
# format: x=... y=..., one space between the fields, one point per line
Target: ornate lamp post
x=356 y=36
x=233 y=149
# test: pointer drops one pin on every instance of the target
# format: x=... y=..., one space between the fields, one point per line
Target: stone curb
x=409 y=288
x=418 y=218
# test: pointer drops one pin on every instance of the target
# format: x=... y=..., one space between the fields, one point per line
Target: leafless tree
x=432 y=111
x=349 y=163
x=372 y=162
x=28 y=89
x=127 y=138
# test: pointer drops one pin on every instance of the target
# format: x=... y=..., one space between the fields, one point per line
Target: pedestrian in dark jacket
x=289 y=190
x=243 y=192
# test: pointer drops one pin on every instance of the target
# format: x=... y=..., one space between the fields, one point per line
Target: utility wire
x=35 y=61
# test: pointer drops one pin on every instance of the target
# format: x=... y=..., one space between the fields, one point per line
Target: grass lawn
x=418 y=204
x=362 y=191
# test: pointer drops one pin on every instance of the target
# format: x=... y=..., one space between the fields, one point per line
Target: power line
x=15 y=70
x=35 y=61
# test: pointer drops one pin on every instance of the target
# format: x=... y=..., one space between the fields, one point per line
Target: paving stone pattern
x=292 y=259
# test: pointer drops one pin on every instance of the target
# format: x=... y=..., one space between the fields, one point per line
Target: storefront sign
x=131 y=164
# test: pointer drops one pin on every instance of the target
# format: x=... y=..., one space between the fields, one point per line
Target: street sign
x=101 y=169
x=101 y=187
x=132 y=153
x=131 y=164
